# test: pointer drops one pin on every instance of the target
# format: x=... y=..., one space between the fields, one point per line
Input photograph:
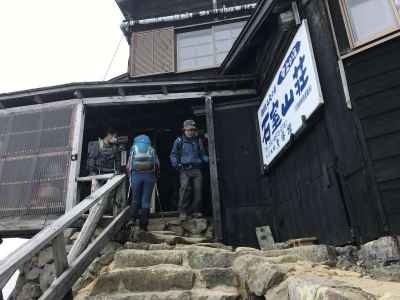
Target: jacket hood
x=143 y=139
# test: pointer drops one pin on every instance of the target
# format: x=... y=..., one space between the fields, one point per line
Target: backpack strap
x=179 y=147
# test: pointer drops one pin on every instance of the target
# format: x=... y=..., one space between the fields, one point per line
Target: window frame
x=212 y=31
x=349 y=27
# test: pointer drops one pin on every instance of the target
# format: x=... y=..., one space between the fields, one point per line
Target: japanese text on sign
x=294 y=94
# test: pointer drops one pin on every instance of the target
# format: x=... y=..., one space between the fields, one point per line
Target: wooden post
x=215 y=195
x=60 y=259
x=88 y=229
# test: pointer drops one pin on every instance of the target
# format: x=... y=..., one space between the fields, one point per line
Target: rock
x=265 y=238
x=215 y=245
x=95 y=266
x=198 y=294
x=163 y=246
x=33 y=274
x=386 y=273
x=176 y=228
x=314 y=253
x=29 y=291
x=138 y=246
x=155 y=278
x=111 y=247
x=206 y=257
x=146 y=258
x=280 y=292
x=47 y=276
x=45 y=257
x=74 y=236
x=83 y=281
x=314 y=288
x=390 y=296
x=68 y=233
x=258 y=274
x=195 y=227
x=245 y=249
x=216 y=277
x=381 y=251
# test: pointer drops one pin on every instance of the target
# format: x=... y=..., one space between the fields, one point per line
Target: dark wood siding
x=374 y=80
x=244 y=203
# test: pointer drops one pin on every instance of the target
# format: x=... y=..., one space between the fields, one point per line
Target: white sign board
x=295 y=93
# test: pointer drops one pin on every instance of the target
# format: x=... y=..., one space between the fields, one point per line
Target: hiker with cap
x=189 y=156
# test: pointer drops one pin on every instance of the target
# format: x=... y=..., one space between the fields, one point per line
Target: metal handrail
x=49 y=234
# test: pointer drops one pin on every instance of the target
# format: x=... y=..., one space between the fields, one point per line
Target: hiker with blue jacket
x=188 y=155
x=142 y=166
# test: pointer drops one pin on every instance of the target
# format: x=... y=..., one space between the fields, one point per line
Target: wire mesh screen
x=35 y=152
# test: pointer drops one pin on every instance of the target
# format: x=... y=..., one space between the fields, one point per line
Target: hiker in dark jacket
x=103 y=156
x=142 y=167
x=188 y=156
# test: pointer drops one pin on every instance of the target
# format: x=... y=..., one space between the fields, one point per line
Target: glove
x=179 y=167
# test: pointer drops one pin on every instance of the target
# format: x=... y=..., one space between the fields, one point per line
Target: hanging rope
x=113 y=57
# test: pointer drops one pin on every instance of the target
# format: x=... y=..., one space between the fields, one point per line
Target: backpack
x=143 y=155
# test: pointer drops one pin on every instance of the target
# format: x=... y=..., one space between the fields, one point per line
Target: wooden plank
x=59 y=254
x=74 y=167
x=62 y=284
x=98 y=177
x=159 y=98
x=215 y=195
x=40 y=240
x=88 y=229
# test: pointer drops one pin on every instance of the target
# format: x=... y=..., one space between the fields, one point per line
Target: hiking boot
x=144 y=219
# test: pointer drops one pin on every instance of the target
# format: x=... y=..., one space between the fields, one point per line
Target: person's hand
x=179 y=167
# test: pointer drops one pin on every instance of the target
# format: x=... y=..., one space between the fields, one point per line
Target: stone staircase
x=179 y=263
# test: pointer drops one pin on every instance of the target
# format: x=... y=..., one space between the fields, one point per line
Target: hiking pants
x=142 y=184
x=187 y=177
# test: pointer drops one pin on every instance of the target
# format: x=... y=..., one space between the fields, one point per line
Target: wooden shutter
x=152 y=52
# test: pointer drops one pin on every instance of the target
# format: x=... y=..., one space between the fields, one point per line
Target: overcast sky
x=47 y=42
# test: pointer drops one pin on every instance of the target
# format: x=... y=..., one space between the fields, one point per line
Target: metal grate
x=153 y=52
x=35 y=151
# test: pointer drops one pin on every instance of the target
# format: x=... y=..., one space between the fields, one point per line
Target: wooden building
x=336 y=179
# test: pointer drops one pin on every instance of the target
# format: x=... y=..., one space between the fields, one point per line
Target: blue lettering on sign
x=289 y=99
x=301 y=76
x=289 y=62
x=275 y=117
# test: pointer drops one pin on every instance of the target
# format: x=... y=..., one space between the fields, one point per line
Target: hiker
x=189 y=156
x=103 y=156
x=143 y=164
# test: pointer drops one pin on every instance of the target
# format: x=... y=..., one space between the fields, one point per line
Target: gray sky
x=47 y=42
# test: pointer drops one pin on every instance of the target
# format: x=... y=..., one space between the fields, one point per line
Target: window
x=152 y=52
x=370 y=19
x=206 y=48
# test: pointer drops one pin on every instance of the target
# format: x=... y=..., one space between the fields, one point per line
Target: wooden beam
x=59 y=254
x=62 y=284
x=160 y=98
x=215 y=195
x=113 y=85
x=98 y=177
x=74 y=168
x=40 y=240
x=88 y=229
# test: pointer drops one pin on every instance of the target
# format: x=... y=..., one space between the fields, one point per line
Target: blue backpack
x=142 y=154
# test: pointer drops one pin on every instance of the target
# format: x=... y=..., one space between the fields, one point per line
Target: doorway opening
x=162 y=122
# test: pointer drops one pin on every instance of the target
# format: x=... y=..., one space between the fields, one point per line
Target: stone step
x=155 y=278
x=146 y=258
x=211 y=278
x=198 y=294
x=171 y=239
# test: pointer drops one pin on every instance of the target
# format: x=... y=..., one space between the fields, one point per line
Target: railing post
x=88 y=229
x=60 y=259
